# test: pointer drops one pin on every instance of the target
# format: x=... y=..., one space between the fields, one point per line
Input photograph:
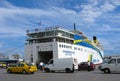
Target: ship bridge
x=49 y=35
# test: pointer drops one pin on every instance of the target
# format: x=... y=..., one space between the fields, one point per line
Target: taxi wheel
x=32 y=72
x=23 y=72
x=9 y=71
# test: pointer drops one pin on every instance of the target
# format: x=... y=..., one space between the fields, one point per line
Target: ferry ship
x=56 y=42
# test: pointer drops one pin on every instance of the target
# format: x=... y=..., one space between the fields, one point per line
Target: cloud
x=107 y=7
x=9 y=35
x=115 y=2
x=23 y=17
x=111 y=47
x=108 y=28
x=6 y=4
x=96 y=8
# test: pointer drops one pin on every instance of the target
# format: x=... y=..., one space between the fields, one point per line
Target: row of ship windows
x=75 y=48
x=65 y=46
x=70 y=47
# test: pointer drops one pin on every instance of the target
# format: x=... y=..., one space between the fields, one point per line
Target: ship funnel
x=94 y=39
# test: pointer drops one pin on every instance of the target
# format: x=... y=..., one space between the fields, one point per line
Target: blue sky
x=99 y=18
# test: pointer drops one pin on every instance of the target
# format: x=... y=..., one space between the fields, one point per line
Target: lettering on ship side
x=68 y=52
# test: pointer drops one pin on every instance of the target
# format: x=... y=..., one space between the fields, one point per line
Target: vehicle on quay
x=64 y=64
x=22 y=67
x=112 y=65
x=84 y=66
x=3 y=64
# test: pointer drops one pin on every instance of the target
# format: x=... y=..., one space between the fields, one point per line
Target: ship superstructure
x=55 y=42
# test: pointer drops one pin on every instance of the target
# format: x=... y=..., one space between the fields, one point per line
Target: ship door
x=45 y=56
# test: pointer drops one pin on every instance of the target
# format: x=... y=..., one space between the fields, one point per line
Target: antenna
x=40 y=25
x=74 y=26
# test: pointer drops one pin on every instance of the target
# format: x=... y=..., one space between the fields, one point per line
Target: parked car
x=111 y=66
x=3 y=65
x=84 y=66
x=22 y=67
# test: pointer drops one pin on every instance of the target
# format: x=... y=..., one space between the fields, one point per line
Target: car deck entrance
x=45 y=56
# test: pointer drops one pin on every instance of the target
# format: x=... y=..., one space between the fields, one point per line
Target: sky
x=99 y=18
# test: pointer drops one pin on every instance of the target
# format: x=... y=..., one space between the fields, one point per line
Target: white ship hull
x=62 y=50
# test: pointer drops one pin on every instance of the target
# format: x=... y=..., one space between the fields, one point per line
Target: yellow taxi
x=2 y=64
x=22 y=67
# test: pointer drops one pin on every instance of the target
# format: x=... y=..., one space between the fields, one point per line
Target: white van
x=112 y=65
x=62 y=64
